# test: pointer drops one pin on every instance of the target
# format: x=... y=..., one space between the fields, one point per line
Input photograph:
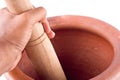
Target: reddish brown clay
x=88 y=49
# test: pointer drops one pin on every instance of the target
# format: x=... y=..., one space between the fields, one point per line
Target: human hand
x=15 y=32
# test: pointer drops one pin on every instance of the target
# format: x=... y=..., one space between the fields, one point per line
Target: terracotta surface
x=88 y=49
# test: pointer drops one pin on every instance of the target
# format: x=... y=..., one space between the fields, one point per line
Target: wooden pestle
x=39 y=49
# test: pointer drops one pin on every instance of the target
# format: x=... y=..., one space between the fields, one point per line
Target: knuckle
x=43 y=11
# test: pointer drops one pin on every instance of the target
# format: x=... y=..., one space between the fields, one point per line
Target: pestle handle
x=39 y=49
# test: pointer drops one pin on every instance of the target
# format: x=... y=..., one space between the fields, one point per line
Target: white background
x=106 y=10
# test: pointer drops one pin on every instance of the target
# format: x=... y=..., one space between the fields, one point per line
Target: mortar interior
x=83 y=54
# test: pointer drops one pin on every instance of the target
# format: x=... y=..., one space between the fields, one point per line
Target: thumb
x=35 y=15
